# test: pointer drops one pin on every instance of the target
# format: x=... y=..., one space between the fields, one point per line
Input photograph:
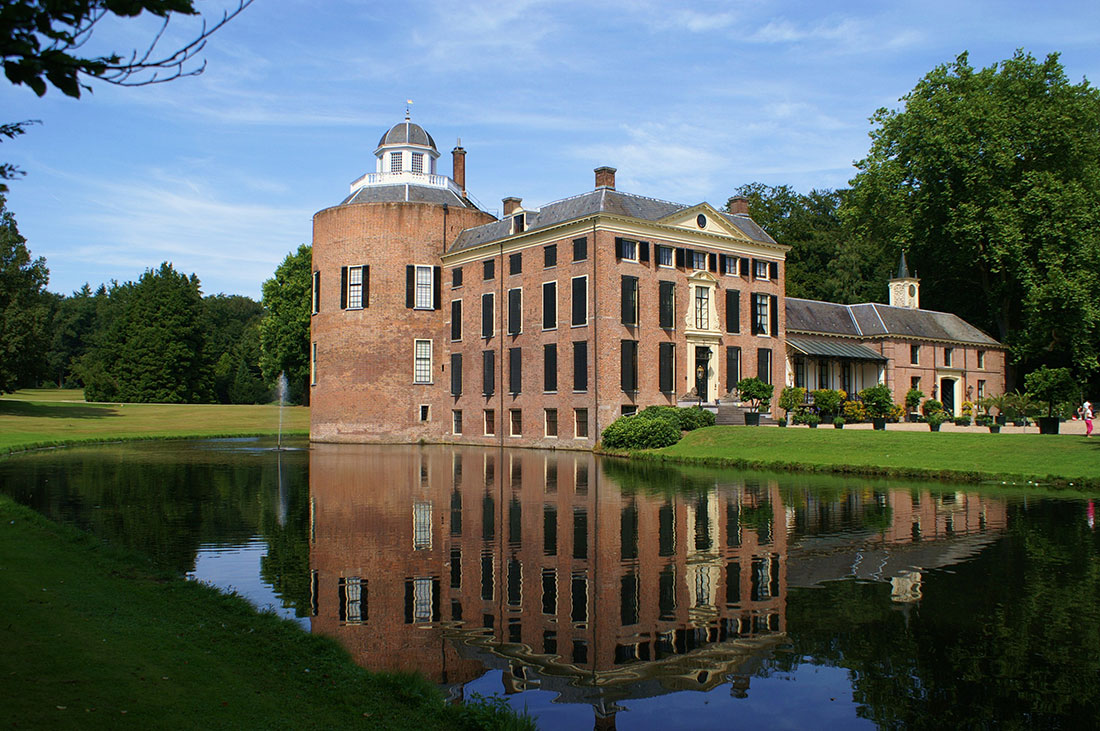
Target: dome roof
x=407 y=133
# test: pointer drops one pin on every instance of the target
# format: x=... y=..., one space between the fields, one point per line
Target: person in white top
x=1085 y=412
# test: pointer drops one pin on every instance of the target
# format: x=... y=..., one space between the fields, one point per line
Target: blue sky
x=221 y=173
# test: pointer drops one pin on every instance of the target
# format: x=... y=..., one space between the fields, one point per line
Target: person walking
x=1085 y=412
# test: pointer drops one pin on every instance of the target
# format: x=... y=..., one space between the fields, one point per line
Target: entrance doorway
x=947 y=395
x=702 y=372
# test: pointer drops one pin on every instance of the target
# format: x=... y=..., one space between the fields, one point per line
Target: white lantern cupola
x=406 y=149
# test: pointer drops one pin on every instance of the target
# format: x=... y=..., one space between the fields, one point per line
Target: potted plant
x=879 y=403
x=812 y=420
x=934 y=419
x=838 y=422
x=758 y=395
x=962 y=420
x=988 y=403
x=1052 y=387
x=790 y=399
x=912 y=403
x=827 y=401
x=931 y=405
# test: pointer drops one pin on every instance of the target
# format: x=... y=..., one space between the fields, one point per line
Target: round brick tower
x=378 y=344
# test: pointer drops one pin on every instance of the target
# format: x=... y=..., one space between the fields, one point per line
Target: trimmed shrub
x=632 y=432
x=686 y=419
x=827 y=401
x=931 y=406
x=854 y=412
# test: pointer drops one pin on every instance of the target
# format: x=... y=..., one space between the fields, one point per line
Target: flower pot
x=879 y=423
x=994 y=428
x=1000 y=419
x=752 y=418
x=812 y=426
x=838 y=426
x=782 y=422
x=1048 y=424
x=933 y=427
x=1019 y=422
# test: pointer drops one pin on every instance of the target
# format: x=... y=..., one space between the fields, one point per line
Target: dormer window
x=519 y=223
x=395 y=162
x=418 y=162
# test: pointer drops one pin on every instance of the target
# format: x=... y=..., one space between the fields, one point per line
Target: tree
x=24 y=309
x=990 y=180
x=232 y=349
x=71 y=329
x=284 y=331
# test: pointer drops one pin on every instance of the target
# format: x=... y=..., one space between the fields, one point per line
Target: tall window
x=354 y=287
x=914 y=354
x=488 y=269
x=515 y=423
x=488 y=372
x=487 y=315
x=551 y=422
x=981 y=359
x=456 y=374
x=580 y=426
x=580 y=301
x=981 y=389
x=550 y=255
x=733 y=367
x=580 y=366
x=456 y=319
x=666 y=306
x=515 y=311
x=702 y=308
x=456 y=421
x=947 y=355
x=550 y=368
x=490 y=422
x=423 y=288
x=764 y=365
x=580 y=249
x=666 y=366
x=313 y=364
x=823 y=374
x=422 y=361
x=316 y=295
x=760 y=314
x=515 y=263
x=395 y=162
x=629 y=370
x=456 y=277
x=418 y=162
x=549 y=305
x=630 y=300
x=515 y=370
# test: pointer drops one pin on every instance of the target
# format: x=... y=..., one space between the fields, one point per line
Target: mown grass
x=970 y=457
x=50 y=417
x=96 y=638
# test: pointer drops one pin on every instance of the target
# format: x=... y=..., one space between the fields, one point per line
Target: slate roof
x=407 y=133
x=405 y=193
x=833 y=349
x=603 y=200
x=876 y=320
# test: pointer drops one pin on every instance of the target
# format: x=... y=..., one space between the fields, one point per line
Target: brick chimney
x=458 y=166
x=511 y=204
x=739 y=205
x=605 y=177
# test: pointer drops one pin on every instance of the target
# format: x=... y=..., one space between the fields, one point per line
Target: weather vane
x=408 y=103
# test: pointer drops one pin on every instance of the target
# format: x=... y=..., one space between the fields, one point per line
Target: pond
x=604 y=594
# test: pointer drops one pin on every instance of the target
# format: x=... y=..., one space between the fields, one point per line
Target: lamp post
x=700 y=371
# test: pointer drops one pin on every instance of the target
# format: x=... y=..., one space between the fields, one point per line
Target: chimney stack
x=739 y=205
x=605 y=177
x=511 y=204
x=458 y=166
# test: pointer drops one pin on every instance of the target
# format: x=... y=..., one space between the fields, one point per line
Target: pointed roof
x=903 y=268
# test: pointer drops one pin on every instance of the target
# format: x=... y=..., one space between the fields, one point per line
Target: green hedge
x=633 y=432
x=687 y=419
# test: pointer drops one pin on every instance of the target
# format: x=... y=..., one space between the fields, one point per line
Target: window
x=549 y=305
x=666 y=366
x=729 y=265
x=580 y=423
x=981 y=359
x=580 y=249
x=515 y=311
x=515 y=371
x=629 y=410
x=800 y=372
x=823 y=374
x=515 y=423
x=352 y=593
x=488 y=372
x=487 y=315
x=424 y=300
x=422 y=525
x=490 y=423
x=515 y=263
x=733 y=367
x=418 y=162
x=981 y=389
x=580 y=366
x=630 y=300
x=629 y=365
x=666 y=305
x=354 y=283
x=519 y=224
x=551 y=422
x=488 y=269
x=760 y=314
x=664 y=256
x=914 y=354
x=760 y=269
x=456 y=277
x=550 y=368
x=316 y=295
x=313 y=364
x=580 y=301
x=626 y=249
x=702 y=308
x=699 y=260
x=456 y=422
x=733 y=311
x=422 y=361
x=456 y=374
x=947 y=354
x=550 y=255
x=456 y=320
x=395 y=162
x=764 y=365
x=425 y=412
x=914 y=382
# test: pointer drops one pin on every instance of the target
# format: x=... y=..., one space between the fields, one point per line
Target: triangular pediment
x=704 y=218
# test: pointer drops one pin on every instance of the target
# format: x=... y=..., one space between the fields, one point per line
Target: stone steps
x=734 y=415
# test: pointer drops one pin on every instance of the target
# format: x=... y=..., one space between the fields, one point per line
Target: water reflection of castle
x=450 y=561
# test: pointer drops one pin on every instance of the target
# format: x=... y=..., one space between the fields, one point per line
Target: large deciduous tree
x=284 y=331
x=24 y=309
x=990 y=180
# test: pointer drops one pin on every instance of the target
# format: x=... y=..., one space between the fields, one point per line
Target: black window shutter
x=764 y=365
x=550 y=367
x=665 y=307
x=487 y=315
x=488 y=372
x=580 y=301
x=713 y=261
x=580 y=249
x=437 y=286
x=515 y=324
x=515 y=376
x=580 y=365
x=366 y=286
x=343 y=288
x=666 y=366
x=456 y=374
x=733 y=311
x=722 y=263
x=755 y=307
x=773 y=270
x=410 y=286
x=744 y=267
x=773 y=311
x=629 y=365
x=618 y=247
x=316 y=292
x=456 y=277
x=549 y=305
x=629 y=300
x=689 y=258
x=733 y=366
x=643 y=251
x=456 y=320
x=550 y=255
x=680 y=257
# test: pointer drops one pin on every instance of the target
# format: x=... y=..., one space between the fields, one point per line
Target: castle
x=434 y=320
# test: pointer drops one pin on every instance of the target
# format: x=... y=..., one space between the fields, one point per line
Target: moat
x=598 y=593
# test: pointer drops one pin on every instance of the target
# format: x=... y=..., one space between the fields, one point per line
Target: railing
x=428 y=179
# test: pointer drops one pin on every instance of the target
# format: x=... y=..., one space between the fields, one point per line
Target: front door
x=702 y=372
x=947 y=394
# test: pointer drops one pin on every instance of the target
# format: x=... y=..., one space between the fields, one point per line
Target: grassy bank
x=967 y=457
x=94 y=638
x=49 y=417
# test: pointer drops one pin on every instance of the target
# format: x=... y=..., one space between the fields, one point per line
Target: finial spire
x=408 y=114
x=903 y=268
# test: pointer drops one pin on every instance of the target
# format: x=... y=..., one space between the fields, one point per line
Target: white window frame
x=314 y=298
x=460 y=322
x=485 y=422
x=456 y=422
x=423 y=291
x=577 y=421
x=422 y=525
x=633 y=255
x=508 y=324
x=696 y=257
x=424 y=413
x=417 y=162
x=586 y=301
x=422 y=599
x=557 y=309
x=701 y=302
x=981 y=360
x=313 y=363
x=546 y=423
x=661 y=250
x=763 y=307
x=761 y=266
x=731 y=266
x=356 y=287
x=421 y=378
x=396 y=162
x=948 y=357
x=512 y=422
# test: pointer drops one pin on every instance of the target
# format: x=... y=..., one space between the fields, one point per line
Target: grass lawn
x=1059 y=459
x=46 y=417
x=95 y=638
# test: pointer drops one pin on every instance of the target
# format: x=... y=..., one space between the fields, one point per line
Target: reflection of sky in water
x=237 y=568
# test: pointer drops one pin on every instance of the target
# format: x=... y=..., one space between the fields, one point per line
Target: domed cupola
x=406 y=148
